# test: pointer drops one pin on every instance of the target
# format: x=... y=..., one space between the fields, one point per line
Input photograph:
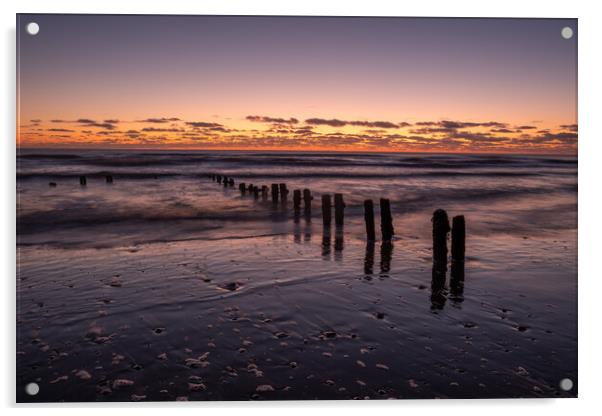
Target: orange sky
x=459 y=85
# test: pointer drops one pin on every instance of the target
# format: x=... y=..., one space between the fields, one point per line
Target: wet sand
x=259 y=305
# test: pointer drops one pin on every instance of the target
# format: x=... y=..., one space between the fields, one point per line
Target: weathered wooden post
x=440 y=231
x=226 y=181
x=297 y=200
x=458 y=239
x=339 y=209
x=274 y=193
x=369 y=218
x=219 y=178
x=386 y=222
x=256 y=192
x=307 y=199
x=250 y=188
x=326 y=210
x=82 y=181
x=264 y=192
x=109 y=178
x=242 y=188
x=231 y=182
x=283 y=192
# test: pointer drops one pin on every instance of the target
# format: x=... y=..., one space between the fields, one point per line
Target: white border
x=590 y=288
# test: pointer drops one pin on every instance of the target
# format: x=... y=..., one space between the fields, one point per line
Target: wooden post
x=82 y=181
x=307 y=199
x=242 y=188
x=326 y=209
x=225 y=182
x=250 y=188
x=231 y=182
x=219 y=179
x=264 y=192
x=339 y=209
x=369 y=218
x=256 y=192
x=274 y=193
x=296 y=199
x=109 y=178
x=440 y=231
x=386 y=222
x=283 y=192
x=213 y=177
x=458 y=239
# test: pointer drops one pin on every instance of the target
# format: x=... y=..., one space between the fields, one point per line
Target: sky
x=297 y=83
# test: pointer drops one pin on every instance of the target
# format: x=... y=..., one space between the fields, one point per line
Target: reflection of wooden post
x=109 y=178
x=242 y=188
x=283 y=192
x=307 y=199
x=264 y=192
x=296 y=199
x=326 y=209
x=339 y=209
x=458 y=238
x=369 y=218
x=440 y=231
x=386 y=222
x=82 y=181
x=274 y=193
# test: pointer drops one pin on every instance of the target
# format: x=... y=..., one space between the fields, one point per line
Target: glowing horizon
x=286 y=83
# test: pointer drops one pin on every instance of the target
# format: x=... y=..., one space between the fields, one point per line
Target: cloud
x=112 y=121
x=155 y=130
x=62 y=130
x=35 y=120
x=570 y=127
x=203 y=124
x=266 y=119
x=159 y=120
x=526 y=127
x=341 y=123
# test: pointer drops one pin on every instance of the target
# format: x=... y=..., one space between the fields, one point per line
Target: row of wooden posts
x=83 y=181
x=441 y=226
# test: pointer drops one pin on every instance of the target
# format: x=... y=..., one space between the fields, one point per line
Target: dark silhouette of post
x=82 y=181
x=369 y=218
x=213 y=177
x=458 y=239
x=274 y=193
x=264 y=192
x=339 y=209
x=386 y=253
x=297 y=199
x=109 y=178
x=231 y=182
x=307 y=198
x=283 y=192
x=440 y=231
x=438 y=291
x=456 y=282
x=225 y=182
x=219 y=179
x=326 y=209
x=250 y=188
x=242 y=188
x=386 y=222
x=256 y=191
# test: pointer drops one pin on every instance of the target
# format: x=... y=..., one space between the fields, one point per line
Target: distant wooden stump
x=219 y=179
x=82 y=181
x=339 y=209
x=386 y=221
x=109 y=178
x=326 y=209
x=307 y=198
x=264 y=192
x=274 y=193
x=52 y=184
x=283 y=192
x=369 y=218
x=297 y=199
x=242 y=188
